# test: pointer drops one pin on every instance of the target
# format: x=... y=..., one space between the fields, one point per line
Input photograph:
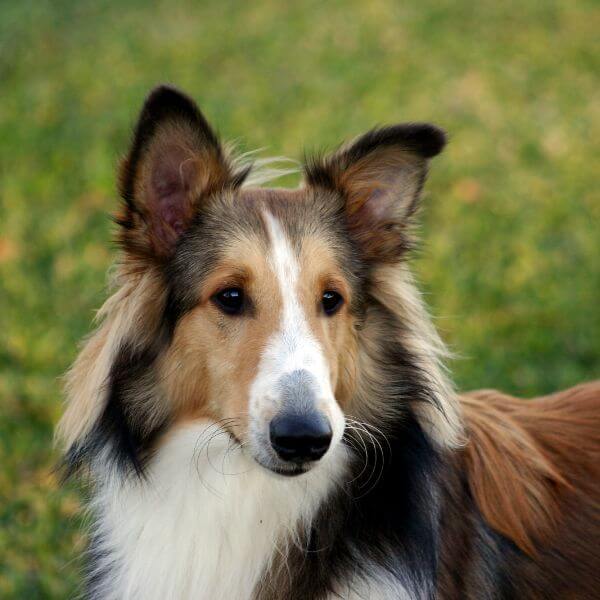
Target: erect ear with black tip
x=380 y=176
x=174 y=162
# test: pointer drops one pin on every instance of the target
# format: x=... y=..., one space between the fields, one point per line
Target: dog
x=264 y=411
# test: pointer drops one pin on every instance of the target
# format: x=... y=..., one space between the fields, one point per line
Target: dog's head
x=241 y=305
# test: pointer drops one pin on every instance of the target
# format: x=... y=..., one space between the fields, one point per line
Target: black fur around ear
x=163 y=103
x=380 y=176
x=175 y=160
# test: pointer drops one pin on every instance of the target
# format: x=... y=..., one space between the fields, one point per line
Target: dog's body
x=264 y=409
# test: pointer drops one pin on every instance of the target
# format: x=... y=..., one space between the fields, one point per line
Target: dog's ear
x=174 y=162
x=380 y=176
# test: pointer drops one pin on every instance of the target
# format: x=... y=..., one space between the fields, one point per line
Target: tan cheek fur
x=214 y=357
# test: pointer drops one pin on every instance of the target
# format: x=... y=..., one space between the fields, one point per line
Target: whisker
x=214 y=430
x=361 y=428
x=352 y=443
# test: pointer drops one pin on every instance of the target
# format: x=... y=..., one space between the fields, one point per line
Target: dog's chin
x=285 y=470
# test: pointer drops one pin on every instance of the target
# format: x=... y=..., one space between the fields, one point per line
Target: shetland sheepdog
x=264 y=410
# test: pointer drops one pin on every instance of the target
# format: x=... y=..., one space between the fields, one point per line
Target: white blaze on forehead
x=294 y=340
x=293 y=346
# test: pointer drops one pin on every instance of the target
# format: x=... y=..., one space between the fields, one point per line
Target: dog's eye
x=331 y=302
x=230 y=300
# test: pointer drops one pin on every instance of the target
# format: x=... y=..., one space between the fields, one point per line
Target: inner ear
x=380 y=177
x=175 y=162
x=173 y=180
x=384 y=185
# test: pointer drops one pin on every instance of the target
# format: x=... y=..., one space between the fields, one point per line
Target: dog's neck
x=205 y=522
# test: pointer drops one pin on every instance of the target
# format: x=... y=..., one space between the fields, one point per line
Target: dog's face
x=268 y=324
x=263 y=289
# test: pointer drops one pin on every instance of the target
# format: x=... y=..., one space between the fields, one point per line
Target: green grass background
x=510 y=222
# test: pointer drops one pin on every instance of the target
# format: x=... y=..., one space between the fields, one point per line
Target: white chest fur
x=206 y=522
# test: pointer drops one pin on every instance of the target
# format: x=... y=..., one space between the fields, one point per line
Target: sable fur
x=522 y=508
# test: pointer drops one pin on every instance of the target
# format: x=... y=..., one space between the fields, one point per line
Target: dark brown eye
x=331 y=302
x=230 y=301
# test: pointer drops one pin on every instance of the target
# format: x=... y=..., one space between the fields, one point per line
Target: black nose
x=300 y=438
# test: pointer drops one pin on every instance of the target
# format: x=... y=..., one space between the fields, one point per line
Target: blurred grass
x=511 y=218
